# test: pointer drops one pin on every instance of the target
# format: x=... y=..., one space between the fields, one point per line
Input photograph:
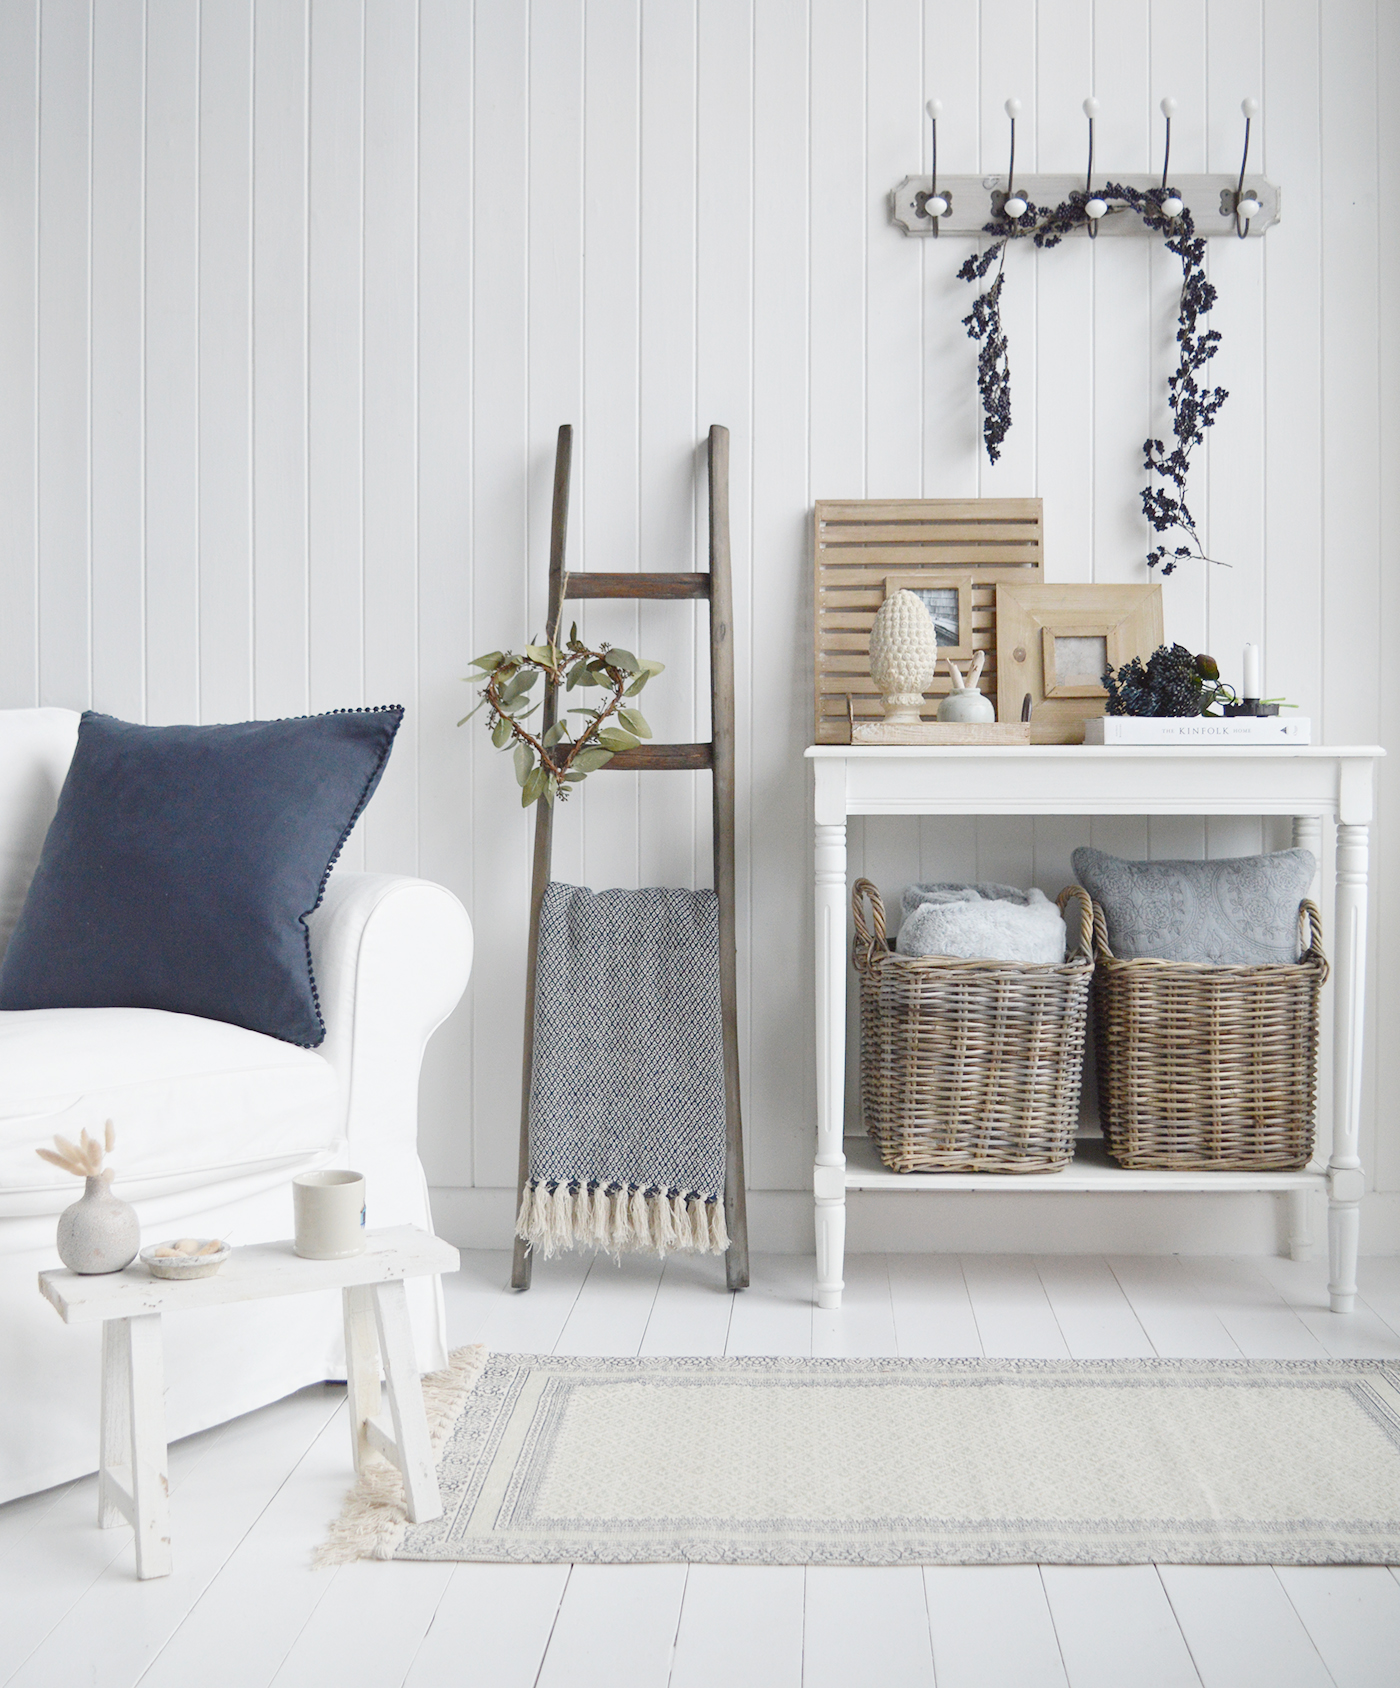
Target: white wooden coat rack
x=1219 y=204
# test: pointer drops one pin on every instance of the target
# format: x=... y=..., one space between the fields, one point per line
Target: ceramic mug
x=330 y=1214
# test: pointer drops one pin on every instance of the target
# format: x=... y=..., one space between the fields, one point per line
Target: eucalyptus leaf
x=577 y=676
x=524 y=761
x=571 y=778
x=590 y=760
x=534 y=784
x=635 y=722
x=500 y=733
x=555 y=733
x=541 y=653
x=492 y=659
x=467 y=717
x=615 y=739
x=619 y=658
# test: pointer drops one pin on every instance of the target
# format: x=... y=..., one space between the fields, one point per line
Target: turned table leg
x=1346 y=1181
x=829 y=1172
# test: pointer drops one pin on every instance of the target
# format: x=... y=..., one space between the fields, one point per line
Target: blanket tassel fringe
x=619 y=1221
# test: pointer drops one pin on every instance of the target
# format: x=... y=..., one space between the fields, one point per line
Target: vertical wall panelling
x=500 y=464
x=445 y=633
x=64 y=324
x=391 y=417
x=118 y=349
x=778 y=1098
x=671 y=807
x=724 y=384
x=334 y=353
x=225 y=363
x=172 y=362
x=555 y=363
x=19 y=433
x=279 y=357
x=296 y=294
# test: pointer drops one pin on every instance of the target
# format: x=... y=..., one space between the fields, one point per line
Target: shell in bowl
x=188 y=1257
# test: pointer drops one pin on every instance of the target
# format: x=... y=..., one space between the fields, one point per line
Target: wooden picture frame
x=935 y=594
x=860 y=544
x=1055 y=642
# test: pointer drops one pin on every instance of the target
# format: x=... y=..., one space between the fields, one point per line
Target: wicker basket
x=969 y=1066
x=1208 y=1069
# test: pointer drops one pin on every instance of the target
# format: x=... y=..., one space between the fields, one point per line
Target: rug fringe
x=620 y=1221
x=373 y=1520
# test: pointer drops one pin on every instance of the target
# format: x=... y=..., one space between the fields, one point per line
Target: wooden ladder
x=717 y=756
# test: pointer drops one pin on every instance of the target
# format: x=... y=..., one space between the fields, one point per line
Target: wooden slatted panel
x=858 y=544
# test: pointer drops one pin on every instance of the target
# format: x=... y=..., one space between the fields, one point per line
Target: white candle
x=1251 y=671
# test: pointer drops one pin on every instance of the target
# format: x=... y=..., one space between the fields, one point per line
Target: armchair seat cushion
x=188 y=1097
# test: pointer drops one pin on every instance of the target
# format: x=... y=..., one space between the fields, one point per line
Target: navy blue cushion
x=183 y=861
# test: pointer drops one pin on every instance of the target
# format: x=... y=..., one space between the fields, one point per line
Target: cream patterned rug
x=894 y=1462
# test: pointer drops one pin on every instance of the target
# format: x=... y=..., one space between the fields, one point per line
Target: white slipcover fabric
x=213 y=1122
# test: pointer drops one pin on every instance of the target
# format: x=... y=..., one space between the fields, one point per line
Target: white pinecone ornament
x=903 y=655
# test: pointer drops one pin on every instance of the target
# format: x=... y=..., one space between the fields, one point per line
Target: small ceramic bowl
x=187 y=1262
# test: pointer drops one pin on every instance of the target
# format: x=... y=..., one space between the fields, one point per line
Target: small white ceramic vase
x=965 y=704
x=903 y=655
x=100 y=1232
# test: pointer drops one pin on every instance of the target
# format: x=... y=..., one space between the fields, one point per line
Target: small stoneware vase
x=967 y=705
x=903 y=656
x=100 y=1232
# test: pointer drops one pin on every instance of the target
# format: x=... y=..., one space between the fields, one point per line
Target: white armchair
x=212 y=1123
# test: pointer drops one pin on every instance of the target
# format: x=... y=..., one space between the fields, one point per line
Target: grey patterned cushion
x=1239 y=910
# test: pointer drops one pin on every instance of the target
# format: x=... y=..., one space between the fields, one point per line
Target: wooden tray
x=860 y=543
x=941 y=732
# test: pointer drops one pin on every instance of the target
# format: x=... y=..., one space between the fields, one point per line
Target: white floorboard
x=1242 y=1629
x=741 y=1626
x=991 y=1626
x=866 y=1624
x=252 y=1499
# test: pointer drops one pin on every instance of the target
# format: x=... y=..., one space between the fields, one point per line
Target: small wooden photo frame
x=948 y=601
x=1054 y=643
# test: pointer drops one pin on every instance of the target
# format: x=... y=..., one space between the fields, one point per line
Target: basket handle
x=1101 y=950
x=865 y=945
x=1310 y=934
x=1083 y=950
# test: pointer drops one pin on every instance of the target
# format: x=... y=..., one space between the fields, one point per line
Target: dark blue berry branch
x=1193 y=407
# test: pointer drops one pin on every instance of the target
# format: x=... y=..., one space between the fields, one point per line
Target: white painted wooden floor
x=251 y=1500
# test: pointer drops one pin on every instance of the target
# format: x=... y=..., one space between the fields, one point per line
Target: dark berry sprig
x=1173 y=682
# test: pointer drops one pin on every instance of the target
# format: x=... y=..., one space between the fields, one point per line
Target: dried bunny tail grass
x=62 y=1161
x=373 y=1520
x=109 y=1136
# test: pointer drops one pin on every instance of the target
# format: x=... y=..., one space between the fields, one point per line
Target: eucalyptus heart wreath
x=1194 y=407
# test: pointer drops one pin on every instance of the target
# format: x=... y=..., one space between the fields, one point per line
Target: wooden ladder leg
x=114 y=1456
x=150 y=1481
x=415 y=1456
x=521 y=1260
x=736 y=1260
x=361 y=1366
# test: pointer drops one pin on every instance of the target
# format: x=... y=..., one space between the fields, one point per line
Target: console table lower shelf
x=1092 y=1172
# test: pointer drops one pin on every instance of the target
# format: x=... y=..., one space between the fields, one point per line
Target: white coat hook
x=936 y=204
x=1014 y=205
x=1247 y=203
x=1094 y=207
x=1171 y=202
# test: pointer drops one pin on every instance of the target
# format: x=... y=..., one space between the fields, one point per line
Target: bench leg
x=415 y=1457
x=114 y=1451
x=150 y=1482
x=361 y=1367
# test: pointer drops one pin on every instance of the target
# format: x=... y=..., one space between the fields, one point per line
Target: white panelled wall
x=293 y=297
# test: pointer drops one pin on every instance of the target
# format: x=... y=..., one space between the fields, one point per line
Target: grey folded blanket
x=987 y=922
x=627 y=1115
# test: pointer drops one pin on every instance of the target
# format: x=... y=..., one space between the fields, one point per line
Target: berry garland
x=1193 y=407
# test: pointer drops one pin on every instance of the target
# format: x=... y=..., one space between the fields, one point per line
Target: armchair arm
x=391 y=957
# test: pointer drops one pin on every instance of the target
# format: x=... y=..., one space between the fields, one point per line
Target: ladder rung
x=663 y=756
x=598 y=585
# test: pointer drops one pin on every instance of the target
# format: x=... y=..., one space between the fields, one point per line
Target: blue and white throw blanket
x=627 y=1116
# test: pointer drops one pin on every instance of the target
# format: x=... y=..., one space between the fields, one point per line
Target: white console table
x=1307 y=783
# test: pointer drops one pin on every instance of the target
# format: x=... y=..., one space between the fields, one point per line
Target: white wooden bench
x=132 y=1479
